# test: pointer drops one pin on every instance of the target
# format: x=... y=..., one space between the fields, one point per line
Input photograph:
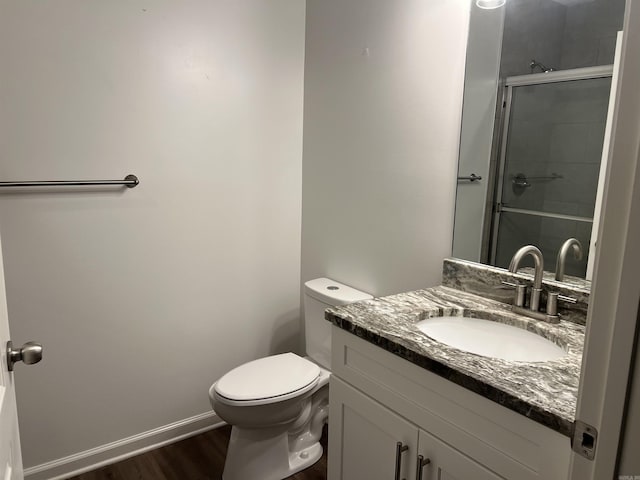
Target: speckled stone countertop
x=546 y=392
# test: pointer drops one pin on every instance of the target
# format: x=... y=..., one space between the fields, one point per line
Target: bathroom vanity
x=404 y=406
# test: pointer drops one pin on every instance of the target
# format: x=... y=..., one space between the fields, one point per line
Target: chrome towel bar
x=129 y=181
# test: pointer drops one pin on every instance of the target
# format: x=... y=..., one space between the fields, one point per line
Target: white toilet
x=279 y=404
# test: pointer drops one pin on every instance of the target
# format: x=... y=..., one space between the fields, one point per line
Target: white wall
x=383 y=94
x=143 y=297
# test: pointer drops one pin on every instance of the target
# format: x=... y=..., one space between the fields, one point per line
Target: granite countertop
x=546 y=392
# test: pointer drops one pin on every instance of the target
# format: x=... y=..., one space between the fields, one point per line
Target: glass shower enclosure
x=549 y=163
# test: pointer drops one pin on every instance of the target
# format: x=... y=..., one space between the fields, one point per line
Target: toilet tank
x=320 y=294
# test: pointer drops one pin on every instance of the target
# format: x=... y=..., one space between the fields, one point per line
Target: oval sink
x=490 y=339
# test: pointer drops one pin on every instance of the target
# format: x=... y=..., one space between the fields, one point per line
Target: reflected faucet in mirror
x=572 y=244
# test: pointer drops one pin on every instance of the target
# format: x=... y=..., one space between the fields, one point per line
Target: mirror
x=537 y=85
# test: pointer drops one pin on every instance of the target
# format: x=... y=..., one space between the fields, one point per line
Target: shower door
x=549 y=163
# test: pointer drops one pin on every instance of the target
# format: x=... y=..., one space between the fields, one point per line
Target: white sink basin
x=491 y=339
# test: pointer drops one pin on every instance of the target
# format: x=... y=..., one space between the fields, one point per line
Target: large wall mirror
x=536 y=101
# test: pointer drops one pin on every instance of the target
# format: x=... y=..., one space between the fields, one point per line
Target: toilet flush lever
x=29 y=353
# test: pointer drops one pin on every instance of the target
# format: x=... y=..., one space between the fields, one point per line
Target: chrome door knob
x=29 y=353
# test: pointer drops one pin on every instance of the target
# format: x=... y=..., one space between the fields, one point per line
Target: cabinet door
x=447 y=463
x=363 y=437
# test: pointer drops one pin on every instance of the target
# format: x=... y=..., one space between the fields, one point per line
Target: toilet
x=278 y=405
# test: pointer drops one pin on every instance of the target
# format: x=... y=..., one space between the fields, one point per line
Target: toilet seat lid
x=267 y=380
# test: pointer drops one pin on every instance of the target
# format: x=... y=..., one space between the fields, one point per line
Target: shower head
x=533 y=64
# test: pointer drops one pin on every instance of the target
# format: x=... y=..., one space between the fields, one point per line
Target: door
x=10 y=456
x=367 y=440
x=441 y=461
x=613 y=307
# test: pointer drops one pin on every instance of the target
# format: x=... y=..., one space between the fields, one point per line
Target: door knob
x=29 y=353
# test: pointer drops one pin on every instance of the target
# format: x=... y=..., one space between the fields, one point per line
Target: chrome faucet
x=551 y=314
x=575 y=246
x=535 y=252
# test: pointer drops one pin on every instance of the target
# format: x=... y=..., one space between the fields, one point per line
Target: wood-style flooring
x=197 y=458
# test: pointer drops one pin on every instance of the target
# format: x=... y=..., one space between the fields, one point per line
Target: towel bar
x=129 y=181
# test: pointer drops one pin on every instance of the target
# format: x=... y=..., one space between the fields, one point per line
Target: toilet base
x=275 y=440
x=305 y=458
x=264 y=454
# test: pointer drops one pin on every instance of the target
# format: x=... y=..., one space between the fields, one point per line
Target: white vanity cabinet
x=378 y=400
x=375 y=443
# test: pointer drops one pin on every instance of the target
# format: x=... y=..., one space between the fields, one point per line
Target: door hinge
x=585 y=440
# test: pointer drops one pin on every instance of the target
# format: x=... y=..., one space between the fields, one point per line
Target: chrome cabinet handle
x=400 y=448
x=29 y=353
x=420 y=466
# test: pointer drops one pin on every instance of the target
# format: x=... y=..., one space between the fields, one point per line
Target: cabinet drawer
x=509 y=444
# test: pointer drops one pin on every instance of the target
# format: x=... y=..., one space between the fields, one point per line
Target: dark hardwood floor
x=196 y=458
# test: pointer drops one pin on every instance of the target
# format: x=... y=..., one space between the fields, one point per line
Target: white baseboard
x=119 y=450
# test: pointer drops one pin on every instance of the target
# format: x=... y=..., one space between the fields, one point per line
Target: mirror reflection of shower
x=549 y=163
x=539 y=164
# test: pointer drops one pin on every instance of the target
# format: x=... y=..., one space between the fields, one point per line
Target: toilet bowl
x=279 y=404
x=277 y=428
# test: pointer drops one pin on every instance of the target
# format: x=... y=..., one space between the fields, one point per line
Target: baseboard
x=127 y=447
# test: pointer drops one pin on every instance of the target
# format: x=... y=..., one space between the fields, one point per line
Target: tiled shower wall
x=562 y=34
x=590 y=33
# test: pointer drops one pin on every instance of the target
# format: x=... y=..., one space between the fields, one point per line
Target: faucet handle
x=566 y=299
x=552 y=303
x=521 y=292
